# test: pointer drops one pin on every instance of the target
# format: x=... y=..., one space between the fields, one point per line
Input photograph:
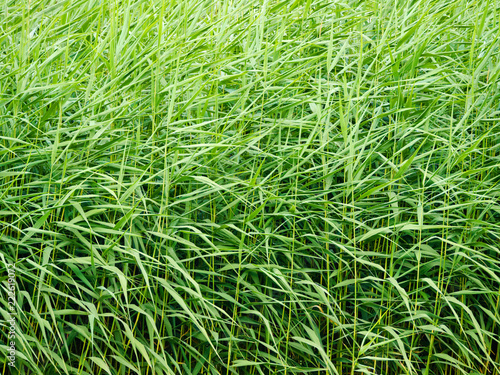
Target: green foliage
x=251 y=187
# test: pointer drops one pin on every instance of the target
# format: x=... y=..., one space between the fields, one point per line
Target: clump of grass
x=247 y=187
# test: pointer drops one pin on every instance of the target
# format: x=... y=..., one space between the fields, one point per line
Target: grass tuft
x=251 y=187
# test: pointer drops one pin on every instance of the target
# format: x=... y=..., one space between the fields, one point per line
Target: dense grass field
x=251 y=186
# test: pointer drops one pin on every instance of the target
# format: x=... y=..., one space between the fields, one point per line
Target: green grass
x=251 y=187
